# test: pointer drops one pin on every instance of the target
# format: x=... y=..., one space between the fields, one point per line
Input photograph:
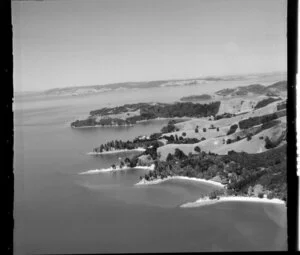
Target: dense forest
x=265 y=102
x=253 y=121
x=148 y=112
x=239 y=171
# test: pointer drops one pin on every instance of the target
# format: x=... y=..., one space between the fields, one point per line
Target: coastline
x=131 y=125
x=206 y=201
x=110 y=169
x=115 y=151
x=157 y=181
x=104 y=126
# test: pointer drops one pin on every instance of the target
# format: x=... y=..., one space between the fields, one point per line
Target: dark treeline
x=102 y=122
x=128 y=145
x=265 y=102
x=253 y=121
x=148 y=112
x=224 y=115
x=232 y=129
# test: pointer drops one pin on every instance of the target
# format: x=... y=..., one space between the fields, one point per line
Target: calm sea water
x=59 y=211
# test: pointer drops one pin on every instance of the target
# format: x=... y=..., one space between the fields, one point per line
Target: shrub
x=184 y=134
x=270 y=195
x=265 y=102
x=197 y=149
x=238 y=138
x=196 y=130
x=261 y=137
x=218 y=129
x=204 y=129
x=212 y=195
x=169 y=157
x=232 y=129
x=260 y=195
x=228 y=141
x=249 y=137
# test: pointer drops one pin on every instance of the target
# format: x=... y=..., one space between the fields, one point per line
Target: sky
x=63 y=43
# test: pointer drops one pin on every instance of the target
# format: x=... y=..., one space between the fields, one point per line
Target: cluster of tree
x=128 y=145
x=281 y=106
x=180 y=140
x=185 y=109
x=253 y=121
x=224 y=115
x=241 y=170
x=91 y=121
x=232 y=129
x=265 y=102
x=272 y=144
x=149 y=111
x=169 y=128
x=196 y=98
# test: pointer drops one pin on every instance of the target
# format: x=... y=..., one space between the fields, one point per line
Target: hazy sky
x=59 y=43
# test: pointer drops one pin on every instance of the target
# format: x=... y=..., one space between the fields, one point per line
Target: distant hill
x=257 y=89
x=196 y=98
x=101 y=88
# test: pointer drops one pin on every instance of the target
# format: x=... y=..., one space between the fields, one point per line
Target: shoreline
x=206 y=201
x=104 y=126
x=115 y=151
x=131 y=125
x=110 y=169
x=157 y=181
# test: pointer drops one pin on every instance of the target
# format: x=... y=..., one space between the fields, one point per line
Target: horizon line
x=170 y=79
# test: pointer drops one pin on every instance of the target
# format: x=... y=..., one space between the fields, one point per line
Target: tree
x=204 y=129
x=250 y=190
x=228 y=141
x=169 y=157
x=218 y=129
x=213 y=195
x=260 y=195
x=196 y=130
x=249 y=137
x=179 y=154
x=197 y=149
x=183 y=134
x=270 y=195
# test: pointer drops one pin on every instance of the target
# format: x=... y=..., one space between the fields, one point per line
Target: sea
x=56 y=210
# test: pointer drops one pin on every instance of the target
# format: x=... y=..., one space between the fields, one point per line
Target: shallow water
x=59 y=211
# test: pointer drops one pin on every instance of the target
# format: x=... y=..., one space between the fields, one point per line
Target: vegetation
x=224 y=115
x=196 y=98
x=241 y=171
x=265 y=102
x=281 y=106
x=232 y=129
x=253 y=121
x=147 y=112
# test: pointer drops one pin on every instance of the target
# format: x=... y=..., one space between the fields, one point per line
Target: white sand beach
x=110 y=169
x=207 y=201
x=114 y=151
x=157 y=181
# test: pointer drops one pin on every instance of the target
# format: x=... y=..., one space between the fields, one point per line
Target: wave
x=207 y=201
x=115 y=151
x=157 y=181
x=110 y=169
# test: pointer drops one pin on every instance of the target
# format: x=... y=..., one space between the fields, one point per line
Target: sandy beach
x=110 y=169
x=157 y=181
x=114 y=151
x=207 y=201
